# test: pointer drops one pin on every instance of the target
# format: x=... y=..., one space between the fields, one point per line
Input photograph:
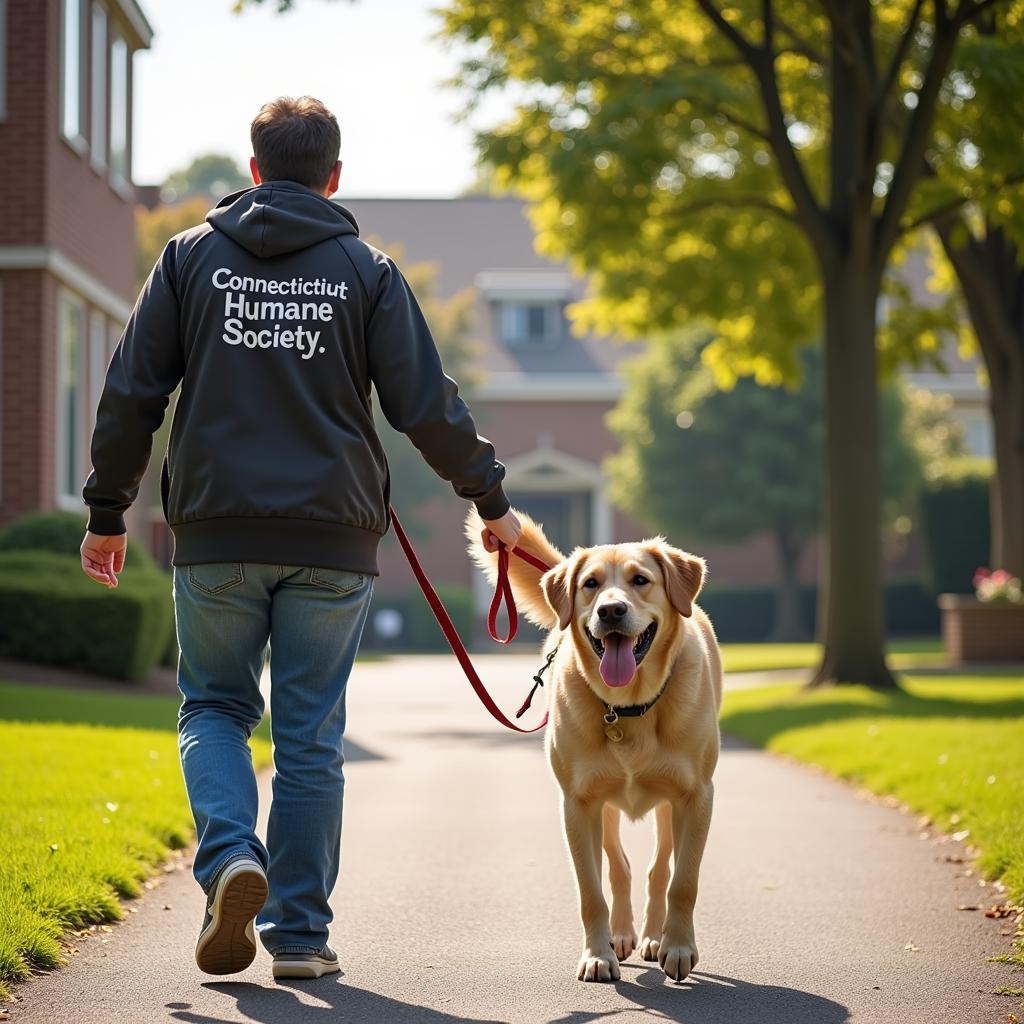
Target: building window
x=71 y=324
x=531 y=324
x=120 y=169
x=72 y=66
x=98 y=361
x=98 y=117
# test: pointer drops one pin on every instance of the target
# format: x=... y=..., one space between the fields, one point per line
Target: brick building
x=67 y=250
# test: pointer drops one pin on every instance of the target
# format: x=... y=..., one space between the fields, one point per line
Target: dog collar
x=612 y=729
x=632 y=710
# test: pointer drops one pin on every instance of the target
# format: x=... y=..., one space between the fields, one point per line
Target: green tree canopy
x=743 y=164
x=212 y=175
x=703 y=465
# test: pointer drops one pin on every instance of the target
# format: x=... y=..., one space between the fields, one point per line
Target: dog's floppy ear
x=559 y=586
x=684 y=575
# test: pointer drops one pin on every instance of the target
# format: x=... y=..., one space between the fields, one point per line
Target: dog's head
x=623 y=601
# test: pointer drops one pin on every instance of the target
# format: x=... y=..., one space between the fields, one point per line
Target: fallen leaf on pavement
x=967 y=906
x=912 y=948
x=1000 y=910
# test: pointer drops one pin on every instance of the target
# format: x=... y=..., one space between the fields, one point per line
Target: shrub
x=50 y=612
x=746 y=615
x=61 y=532
x=955 y=524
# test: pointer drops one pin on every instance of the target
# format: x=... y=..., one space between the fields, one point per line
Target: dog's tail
x=525 y=578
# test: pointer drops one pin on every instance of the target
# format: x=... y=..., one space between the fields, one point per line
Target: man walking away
x=275 y=318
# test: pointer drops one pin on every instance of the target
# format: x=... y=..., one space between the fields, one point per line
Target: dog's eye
x=589 y=584
x=640 y=581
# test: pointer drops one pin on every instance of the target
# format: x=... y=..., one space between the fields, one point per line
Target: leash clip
x=537 y=681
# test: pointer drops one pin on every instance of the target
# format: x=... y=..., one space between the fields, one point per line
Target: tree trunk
x=991 y=277
x=788 y=627
x=1007 y=404
x=850 y=614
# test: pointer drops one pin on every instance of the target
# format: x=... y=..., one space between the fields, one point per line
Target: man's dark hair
x=296 y=140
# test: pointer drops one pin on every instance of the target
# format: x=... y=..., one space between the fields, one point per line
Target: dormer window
x=531 y=324
x=529 y=305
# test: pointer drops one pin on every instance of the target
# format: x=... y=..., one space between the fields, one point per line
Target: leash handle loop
x=502 y=594
x=451 y=634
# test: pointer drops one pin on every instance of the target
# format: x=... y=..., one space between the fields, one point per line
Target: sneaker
x=306 y=965
x=227 y=942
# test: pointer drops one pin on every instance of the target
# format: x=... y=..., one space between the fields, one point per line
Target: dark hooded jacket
x=276 y=319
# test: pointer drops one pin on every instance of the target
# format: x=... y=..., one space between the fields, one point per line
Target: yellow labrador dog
x=634 y=691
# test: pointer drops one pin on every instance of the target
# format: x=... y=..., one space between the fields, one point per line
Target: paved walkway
x=457 y=903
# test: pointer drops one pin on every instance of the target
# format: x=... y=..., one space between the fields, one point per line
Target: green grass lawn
x=92 y=801
x=904 y=654
x=951 y=748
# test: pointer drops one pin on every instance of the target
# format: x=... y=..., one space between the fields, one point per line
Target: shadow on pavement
x=715 y=999
x=704 y=998
x=276 y=1004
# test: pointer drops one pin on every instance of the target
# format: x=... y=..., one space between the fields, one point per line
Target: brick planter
x=975 y=631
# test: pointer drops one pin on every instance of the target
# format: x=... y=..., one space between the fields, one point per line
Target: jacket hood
x=279 y=217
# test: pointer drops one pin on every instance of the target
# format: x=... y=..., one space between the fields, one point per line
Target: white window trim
x=99 y=103
x=120 y=183
x=66 y=298
x=97 y=361
x=76 y=141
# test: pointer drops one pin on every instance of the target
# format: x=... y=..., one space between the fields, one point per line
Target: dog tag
x=612 y=729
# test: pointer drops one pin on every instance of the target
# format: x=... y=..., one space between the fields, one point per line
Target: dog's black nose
x=612 y=612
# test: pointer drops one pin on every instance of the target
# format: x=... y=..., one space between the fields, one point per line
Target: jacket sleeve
x=146 y=368
x=420 y=400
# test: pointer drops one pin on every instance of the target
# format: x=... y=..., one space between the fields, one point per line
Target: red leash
x=502 y=593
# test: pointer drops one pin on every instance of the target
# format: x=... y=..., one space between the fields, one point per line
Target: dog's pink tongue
x=618 y=666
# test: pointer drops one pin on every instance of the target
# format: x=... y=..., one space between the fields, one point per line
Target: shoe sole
x=229 y=943
x=304 y=968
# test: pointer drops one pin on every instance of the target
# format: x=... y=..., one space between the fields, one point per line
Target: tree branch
x=747 y=50
x=762 y=63
x=768 y=20
x=797 y=44
x=967 y=11
x=739 y=203
x=849 y=47
x=915 y=139
x=745 y=125
x=900 y=53
x=952 y=205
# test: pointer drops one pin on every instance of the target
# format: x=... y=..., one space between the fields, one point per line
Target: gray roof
x=470 y=236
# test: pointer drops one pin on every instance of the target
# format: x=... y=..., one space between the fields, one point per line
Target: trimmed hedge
x=747 y=615
x=955 y=524
x=50 y=612
x=61 y=532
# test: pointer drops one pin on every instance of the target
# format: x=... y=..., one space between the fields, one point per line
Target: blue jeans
x=226 y=613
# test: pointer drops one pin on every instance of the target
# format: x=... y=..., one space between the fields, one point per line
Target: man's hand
x=507 y=530
x=103 y=557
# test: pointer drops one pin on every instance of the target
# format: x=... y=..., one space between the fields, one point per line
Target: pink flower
x=980 y=574
x=1000 y=576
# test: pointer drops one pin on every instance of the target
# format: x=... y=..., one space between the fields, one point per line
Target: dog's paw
x=649 y=949
x=624 y=943
x=677 y=959
x=598 y=966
